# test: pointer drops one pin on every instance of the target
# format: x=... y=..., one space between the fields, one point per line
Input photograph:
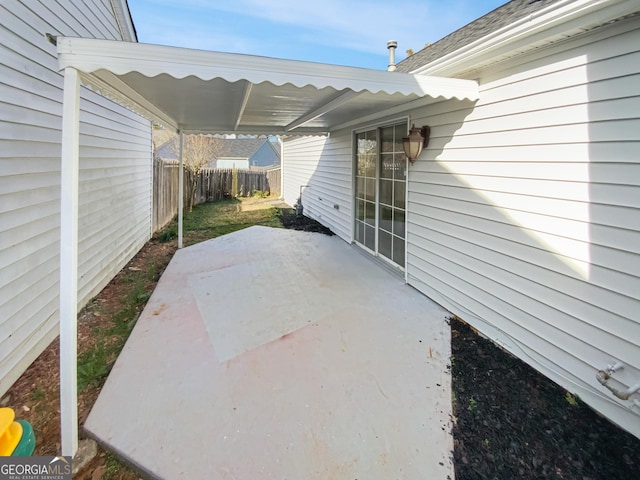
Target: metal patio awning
x=198 y=91
x=203 y=91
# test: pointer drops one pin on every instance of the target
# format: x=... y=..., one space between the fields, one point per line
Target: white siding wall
x=524 y=212
x=115 y=188
x=326 y=165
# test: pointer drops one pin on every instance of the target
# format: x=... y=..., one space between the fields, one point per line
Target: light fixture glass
x=415 y=142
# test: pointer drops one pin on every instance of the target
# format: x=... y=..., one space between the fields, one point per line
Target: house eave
x=554 y=23
x=124 y=20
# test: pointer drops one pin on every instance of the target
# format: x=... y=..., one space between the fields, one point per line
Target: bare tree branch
x=197 y=152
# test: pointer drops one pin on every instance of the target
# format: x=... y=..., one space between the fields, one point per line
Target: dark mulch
x=290 y=220
x=513 y=423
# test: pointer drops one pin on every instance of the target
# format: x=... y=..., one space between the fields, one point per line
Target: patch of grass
x=211 y=220
x=571 y=399
x=128 y=278
x=94 y=364
x=167 y=234
x=92 y=367
x=472 y=404
x=113 y=466
x=37 y=394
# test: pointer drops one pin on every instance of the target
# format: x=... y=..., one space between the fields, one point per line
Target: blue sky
x=343 y=32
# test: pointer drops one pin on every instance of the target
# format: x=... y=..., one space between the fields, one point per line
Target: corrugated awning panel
x=196 y=90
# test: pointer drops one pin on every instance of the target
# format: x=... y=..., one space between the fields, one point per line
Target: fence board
x=274 y=179
x=165 y=192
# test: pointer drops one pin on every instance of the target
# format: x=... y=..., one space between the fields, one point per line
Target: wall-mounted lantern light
x=417 y=140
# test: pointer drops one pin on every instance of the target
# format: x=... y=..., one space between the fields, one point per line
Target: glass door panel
x=391 y=221
x=366 y=165
x=380 y=191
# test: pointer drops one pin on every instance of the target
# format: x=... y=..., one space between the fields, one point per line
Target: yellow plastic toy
x=10 y=432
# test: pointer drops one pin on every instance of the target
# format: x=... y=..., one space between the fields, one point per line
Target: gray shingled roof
x=489 y=23
x=240 y=147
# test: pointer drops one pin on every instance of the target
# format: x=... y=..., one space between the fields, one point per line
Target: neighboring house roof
x=489 y=23
x=232 y=148
x=241 y=147
x=259 y=152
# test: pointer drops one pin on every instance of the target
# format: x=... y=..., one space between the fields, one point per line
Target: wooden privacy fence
x=212 y=184
x=215 y=184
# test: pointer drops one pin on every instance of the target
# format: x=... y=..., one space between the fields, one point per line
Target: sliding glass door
x=380 y=192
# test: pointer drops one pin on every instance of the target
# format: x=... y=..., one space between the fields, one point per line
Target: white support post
x=281 y=140
x=69 y=262
x=180 y=191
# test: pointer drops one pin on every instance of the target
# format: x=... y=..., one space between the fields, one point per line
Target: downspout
x=298 y=206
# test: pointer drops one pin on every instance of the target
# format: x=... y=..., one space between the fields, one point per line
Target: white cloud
x=358 y=25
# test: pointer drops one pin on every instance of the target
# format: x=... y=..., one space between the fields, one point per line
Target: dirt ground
x=509 y=421
x=35 y=396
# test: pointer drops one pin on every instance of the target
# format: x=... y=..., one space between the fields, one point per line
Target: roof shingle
x=489 y=23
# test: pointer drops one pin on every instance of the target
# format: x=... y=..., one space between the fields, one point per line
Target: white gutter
x=549 y=22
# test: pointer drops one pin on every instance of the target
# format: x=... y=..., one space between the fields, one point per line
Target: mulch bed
x=510 y=422
x=290 y=220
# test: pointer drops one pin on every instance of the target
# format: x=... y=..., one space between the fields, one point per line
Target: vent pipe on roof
x=392 y=45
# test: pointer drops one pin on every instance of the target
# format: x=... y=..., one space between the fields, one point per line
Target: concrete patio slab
x=276 y=354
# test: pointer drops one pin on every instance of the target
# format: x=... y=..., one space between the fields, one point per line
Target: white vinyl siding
x=325 y=164
x=115 y=176
x=524 y=211
x=115 y=194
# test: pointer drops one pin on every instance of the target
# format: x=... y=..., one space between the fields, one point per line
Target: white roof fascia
x=89 y=55
x=124 y=20
x=548 y=22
